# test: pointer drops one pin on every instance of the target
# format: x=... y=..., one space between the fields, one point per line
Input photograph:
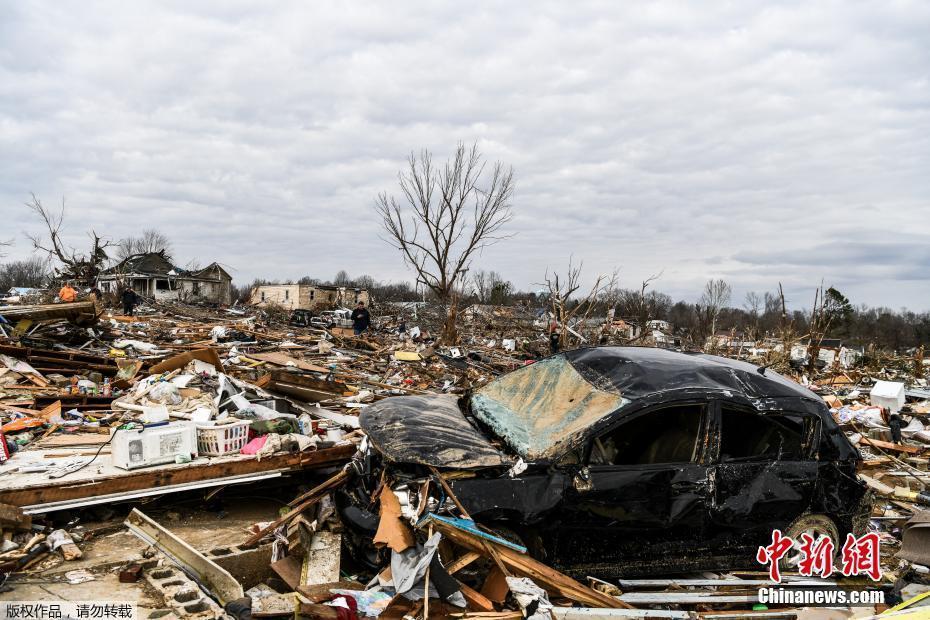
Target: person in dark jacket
x=130 y=299
x=360 y=319
x=555 y=337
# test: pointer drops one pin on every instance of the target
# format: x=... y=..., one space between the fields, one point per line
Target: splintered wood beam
x=48 y=312
x=522 y=564
x=153 y=477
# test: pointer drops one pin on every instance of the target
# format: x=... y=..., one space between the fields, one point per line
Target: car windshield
x=539 y=408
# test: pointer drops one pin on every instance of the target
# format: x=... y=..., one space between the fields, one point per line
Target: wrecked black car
x=617 y=461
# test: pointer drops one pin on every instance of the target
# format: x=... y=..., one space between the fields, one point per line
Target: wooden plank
x=462 y=561
x=545 y=576
x=476 y=600
x=29 y=352
x=877 y=485
x=71 y=440
x=306 y=395
x=321 y=592
x=63 y=489
x=305 y=501
x=48 y=312
x=894 y=447
x=283 y=359
x=288 y=569
x=495 y=585
x=181 y=360
x=12 y=517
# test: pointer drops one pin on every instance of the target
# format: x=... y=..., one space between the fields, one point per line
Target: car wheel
x=817 y=526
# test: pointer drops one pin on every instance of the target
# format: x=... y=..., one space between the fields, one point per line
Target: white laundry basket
x=220 y=439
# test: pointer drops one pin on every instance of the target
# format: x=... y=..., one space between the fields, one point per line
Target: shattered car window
x=668 y=435
x=537 y=409
x=746 y=435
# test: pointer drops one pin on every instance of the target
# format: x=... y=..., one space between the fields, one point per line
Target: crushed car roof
x=637 y=372
x=539 y=409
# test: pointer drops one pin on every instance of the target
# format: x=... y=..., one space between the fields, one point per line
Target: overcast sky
x=754 y=141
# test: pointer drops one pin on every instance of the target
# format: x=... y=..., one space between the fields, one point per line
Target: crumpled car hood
x=428 y=430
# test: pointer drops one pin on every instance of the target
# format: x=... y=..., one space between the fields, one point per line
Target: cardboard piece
x=180 y=361
x=392 y=531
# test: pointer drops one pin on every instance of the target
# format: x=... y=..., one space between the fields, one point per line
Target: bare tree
x=714 y=299
x=829 y=306
x=785 y=324
x=642 y=304
x=446 y=215
x=564 y=306
x=342 y=278
x=82 y=268
x=486 y=284
x=753 y=304
x=5 y=244
x=30 y=273
x=151 y=241
x=365 y=282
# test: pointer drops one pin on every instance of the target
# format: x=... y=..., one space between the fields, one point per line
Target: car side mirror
x=582 y=481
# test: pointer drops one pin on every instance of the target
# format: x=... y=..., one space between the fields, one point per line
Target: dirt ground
x=105 y=555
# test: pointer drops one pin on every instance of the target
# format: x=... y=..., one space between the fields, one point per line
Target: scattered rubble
x=154 y=418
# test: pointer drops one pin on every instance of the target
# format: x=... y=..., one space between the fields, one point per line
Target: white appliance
x=133 y=448
x=888 y=394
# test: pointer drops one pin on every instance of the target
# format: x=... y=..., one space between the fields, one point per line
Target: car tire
x=816 y=525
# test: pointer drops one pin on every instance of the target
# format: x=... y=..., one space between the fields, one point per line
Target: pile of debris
x=207 y=419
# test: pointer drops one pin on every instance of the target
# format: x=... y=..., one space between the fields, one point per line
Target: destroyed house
x=731 y=340
x=307 y=296
x=830 y=351
x=490 y=313
x=153 y=275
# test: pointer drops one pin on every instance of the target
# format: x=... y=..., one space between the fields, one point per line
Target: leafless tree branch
x=82 y=268
x=446 y=215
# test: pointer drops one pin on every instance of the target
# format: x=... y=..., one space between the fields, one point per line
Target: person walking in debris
x=130 y=299
x=67 y=294
x=360 y=319
x=554 y=337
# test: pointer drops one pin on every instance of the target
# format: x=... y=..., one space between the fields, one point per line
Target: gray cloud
x=761 y=142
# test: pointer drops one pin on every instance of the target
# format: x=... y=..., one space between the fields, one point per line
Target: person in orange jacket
x=67 y=294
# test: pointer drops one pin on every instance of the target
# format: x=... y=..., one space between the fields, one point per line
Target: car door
x=643 y=489
x=765 y=473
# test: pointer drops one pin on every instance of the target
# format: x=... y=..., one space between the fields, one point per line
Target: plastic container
x=220 y=439
x=307 y=424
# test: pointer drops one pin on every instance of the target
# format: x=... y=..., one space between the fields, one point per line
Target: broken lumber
x=13 y=517
x=522 y=564
x=300 y=504
x=305 y=387
x=895 y=447
x=79 y=312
